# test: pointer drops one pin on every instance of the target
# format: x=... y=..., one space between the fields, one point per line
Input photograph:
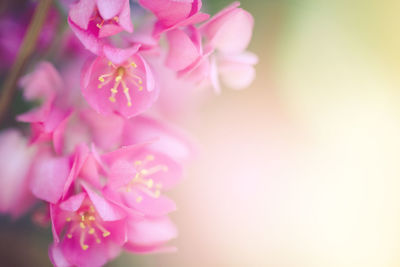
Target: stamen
x=82 y=241
x=116 y=19
x=99 y=25
x=101 y=228
x=154 y=169
x=126 y=93
x=139 y=199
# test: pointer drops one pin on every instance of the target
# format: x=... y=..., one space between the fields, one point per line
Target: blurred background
x=300 y=169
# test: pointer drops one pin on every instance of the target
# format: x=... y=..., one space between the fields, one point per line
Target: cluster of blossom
x=97 y=163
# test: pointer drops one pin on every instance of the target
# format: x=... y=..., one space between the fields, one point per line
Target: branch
x=25 y=51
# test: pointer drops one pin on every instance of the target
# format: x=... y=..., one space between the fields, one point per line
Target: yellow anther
x=105 y=234
x=84 y=246
x=118 y=78
x=116 y=18
x=92 y=218
x=114 y=90
x=112 y=99
x=157 y=193
x=91 y=231
x=68 y=219
x=138 y=162
x=139 y=199
x=133 y=64
x=98 y=241
x=69 y=236
x=129 y=104
x=110 y=63
x=82 y=225
x=101 y=79
x=150 y=183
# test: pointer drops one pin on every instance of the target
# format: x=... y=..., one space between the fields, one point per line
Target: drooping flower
x=137 y=176
x=95 y=230
x=92 y=21
x=16 y=161
x=48 y=121
x=120 y=83
x=229 y=33
x=226 y=37
x=172 y=14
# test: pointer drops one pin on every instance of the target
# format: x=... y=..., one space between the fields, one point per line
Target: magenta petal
x=73 y=203
x=89 y=41
x=81 y=154
x=109 y=30
x=49 y=177
x=106 y=210
x=169 y=12
x=109 y=9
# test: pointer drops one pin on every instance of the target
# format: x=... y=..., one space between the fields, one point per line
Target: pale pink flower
x=164 y=138
x=48 y=121
x=124 y=83
x=16 y=161
x=92 y=21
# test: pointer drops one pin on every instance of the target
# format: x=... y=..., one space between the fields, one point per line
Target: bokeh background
x=300 y=169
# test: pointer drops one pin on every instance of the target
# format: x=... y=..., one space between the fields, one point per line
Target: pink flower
x=16 y=161
x=95 y=230
x=172 y=14
x=229 y=33
x=226 y=35
x=92 y=21
x=123 y=84
x=53 y=175
x=137 y=175
x=49 y=120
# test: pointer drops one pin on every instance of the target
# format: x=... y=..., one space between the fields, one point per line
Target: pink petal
x=49 y=177
x=230 y=31
x=170 y=141
x=109 y=9
x=57 y=256
x=119 y=55
x=15 y=196
x=106 y=210
x=182 y=50
x=150 y=232
x=81 y=12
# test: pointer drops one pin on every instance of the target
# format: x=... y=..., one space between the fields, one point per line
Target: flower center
x=100 y=21
x=142 y=180
x=120 y=74
x=85 y=222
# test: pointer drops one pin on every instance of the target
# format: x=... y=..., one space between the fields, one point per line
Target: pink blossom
x=94 y=229
x=16 y=161
x=137 y=176
x=92 y=21
x=122 y=84
x=48 y=121
x=172 y=14
x=226 y=35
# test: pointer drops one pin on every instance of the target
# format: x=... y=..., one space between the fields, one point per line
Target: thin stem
x=25 y=51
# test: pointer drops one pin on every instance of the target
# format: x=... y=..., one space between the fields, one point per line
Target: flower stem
x=25 y=51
